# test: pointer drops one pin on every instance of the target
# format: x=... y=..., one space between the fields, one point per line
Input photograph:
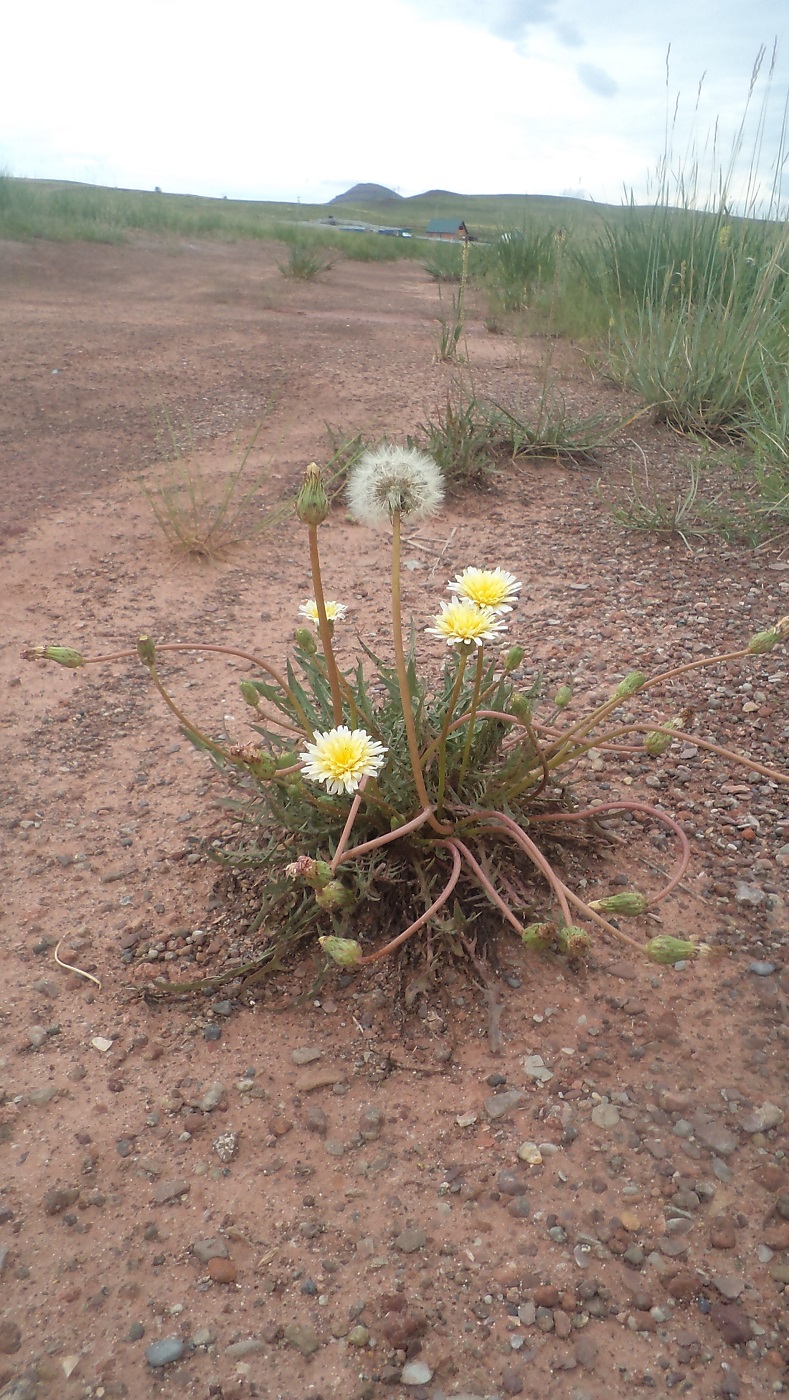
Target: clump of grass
x=460 y=440
x=670 y=510
x=377 y=805
x=202 y=518
x=307 y=262
x=519 y=261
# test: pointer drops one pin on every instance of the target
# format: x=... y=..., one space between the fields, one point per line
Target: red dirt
x=651 y=1248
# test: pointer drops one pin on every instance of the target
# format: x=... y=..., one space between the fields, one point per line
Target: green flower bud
x=514 y=658
x=563 y=697
x=629 y=902
x=146 y=650
x=538 y=937
x=263 y=767
x=293 y=791
x=345 y=951
x=763 y=641
x=665 y=949
x=632 y=682
x=574 y=940
x=250 y=693
x=312 y=503
x=65 y=656
x=521 y=705
x=306 y=641
x=317 y=873
x=335 y=896
x=287 y=760
x=656 y=743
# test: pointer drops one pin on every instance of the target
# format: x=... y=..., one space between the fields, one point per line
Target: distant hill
x=365 y=194
x=431 y=194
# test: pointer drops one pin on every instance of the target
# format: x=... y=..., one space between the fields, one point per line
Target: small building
x=454 y=229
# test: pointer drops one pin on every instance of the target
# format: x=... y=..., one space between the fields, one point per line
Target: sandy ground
x=327 y=1200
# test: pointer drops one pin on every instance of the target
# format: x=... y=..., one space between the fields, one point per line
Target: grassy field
x=681 y=301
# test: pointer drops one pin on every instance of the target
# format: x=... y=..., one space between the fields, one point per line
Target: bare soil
x=318 y=1195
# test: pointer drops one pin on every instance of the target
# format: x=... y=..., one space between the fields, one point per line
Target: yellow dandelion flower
x=488 y=588
x=335 y=612
x=461 y=622
x=341 y=757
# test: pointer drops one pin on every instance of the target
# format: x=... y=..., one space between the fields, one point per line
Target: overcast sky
x=262 y=99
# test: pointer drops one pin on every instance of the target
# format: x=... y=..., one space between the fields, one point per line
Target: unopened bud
x=317 y=873
x=574 y=940
x=563 y=697
x=665 y=949
x=250 y=693
x=65 y=656
x=146 y=650
x=335 y=896
x=514 y=658
x=632 y=682
x=538 y=937
x=305 y=640
x=656 y=741
x=345 y=951
x=629 y=903
x=312 y=503
x=521 y=705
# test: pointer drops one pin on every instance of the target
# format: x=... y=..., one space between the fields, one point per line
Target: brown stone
x=683 y=1286
x=59 y=1198
x=778 y=1237
x=402 y=1328
x=546 y=1297
x=732 y=1323
x=280 y=1126
x=10 y=1338
x=723 y=1233
x=222 y=1270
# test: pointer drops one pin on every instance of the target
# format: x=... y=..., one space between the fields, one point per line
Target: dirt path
x=217 y=1200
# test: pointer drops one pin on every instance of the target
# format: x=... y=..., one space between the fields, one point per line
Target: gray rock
x=409 y=1241
x=305 y=1054
x=497 y=1105
x=315 y=1120
x=203 y=1337
x=605 y=1115
x=729 y=1285
x=168 y=1191
x=750 y=896
x=761 y=969
x=716 y=1137
x=212 y=1097
x=303 y=1337
x=760 y=1120
x=238 y=1350
x=36 y=1037
x=416 y=1373
x=210 y=1249
x=535 y=1068
x=226 y=1146
x=164 y=1352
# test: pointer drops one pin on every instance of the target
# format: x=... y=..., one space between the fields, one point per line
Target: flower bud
x=665 y=949
x=538 y=937
x=317 y=873
x=632 y=682
x=763 y=641
x=287 y=760
x=146 y=650
x=521 y=705
x=65 y=656
x=574 y=940
x=250 y=693
x=514 y=658
x=306 y=641
x=312 y=503
x=656 y=743
x=259 y=764
x=345 y=951
x=629 y=903
x=563 y=697
x=335 y=896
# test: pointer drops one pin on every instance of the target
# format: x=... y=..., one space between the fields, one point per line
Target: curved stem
x=346 y=831
x=221 y=651
x=323 y=625
x=487 y=885
x=423 y=918
x=625 y=806
x=402 y=678
x=603 y=923
x=213 y=748
x=730 y=754
x=534 y=853
x=384 y=840
x=472 y=715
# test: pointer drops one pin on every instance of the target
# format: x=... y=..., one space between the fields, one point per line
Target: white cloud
x=474 y=95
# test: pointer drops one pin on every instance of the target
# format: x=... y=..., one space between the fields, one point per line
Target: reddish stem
x=423 y=918
x=486 y=884
x=346 y=831
x=377 y=841
x=655 y=812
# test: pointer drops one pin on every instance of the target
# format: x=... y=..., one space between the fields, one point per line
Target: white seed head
x=390 y=479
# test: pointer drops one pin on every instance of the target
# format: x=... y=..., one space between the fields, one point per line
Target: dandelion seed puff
x=390 y=479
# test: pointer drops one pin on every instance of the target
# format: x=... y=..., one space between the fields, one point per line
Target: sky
x=260 y=99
